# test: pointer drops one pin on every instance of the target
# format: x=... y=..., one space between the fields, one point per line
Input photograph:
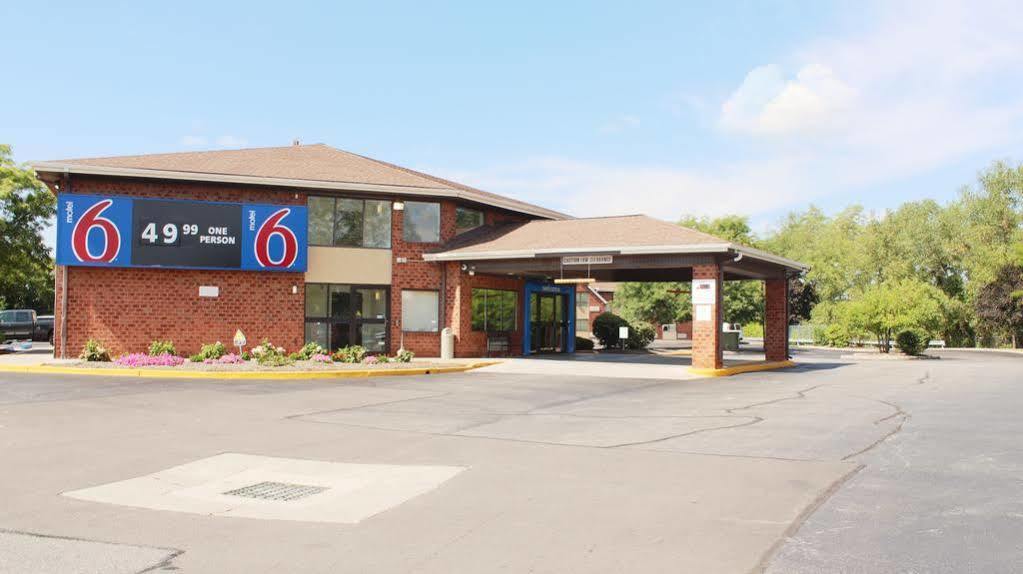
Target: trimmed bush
x=157 y=348
x=352 y=354
x=640 y=337
x=95 y=352
x=210 y=351
x=311 y=349
x=268 y=355
x=583 y=344
x=605 y=329
x=912 y=341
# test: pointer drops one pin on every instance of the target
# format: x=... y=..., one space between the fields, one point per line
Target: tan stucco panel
x=349 y=265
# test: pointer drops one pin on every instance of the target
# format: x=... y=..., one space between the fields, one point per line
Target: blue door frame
x=540 y=287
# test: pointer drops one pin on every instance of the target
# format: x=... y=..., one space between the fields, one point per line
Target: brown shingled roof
x=317 y=164
x=632 y=234
x=593 y=233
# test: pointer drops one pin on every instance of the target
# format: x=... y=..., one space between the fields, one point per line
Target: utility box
x=730 y=340
x=447 y=343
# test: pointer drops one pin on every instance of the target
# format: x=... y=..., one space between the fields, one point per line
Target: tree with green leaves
x=885 y=309
x=654 y=303
x=26 y=264
x=743 y=300
x=999 y=304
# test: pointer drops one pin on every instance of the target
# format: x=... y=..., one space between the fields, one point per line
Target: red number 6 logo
x=91 y=220
x=270 y=228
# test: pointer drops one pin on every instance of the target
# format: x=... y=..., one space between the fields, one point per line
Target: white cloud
x=814 y=100
x=590 y=189
x=193 y=141
x=231 y=141
x=924 y=85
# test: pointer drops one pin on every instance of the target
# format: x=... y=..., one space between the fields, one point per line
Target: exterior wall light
x=398 y=206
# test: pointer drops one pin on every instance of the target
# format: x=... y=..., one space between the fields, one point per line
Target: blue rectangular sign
x=109 y=231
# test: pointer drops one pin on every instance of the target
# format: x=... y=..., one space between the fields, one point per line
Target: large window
x=493 y=310
x=582 y=312
x=341 y=315
x=345 y=222
x=420 y=311
x=422 y=222
x=467 y=219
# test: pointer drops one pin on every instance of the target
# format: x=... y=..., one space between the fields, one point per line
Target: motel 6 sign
x=109 y=231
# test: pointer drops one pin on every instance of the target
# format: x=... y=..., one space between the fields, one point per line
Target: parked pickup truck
x=19 y=327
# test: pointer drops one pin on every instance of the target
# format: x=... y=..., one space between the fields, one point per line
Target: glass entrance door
x=547 y=323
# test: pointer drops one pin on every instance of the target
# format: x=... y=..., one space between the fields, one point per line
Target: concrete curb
x=737 y=369
x=227 y=375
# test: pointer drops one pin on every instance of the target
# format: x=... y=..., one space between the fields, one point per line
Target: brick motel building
x=310 y=243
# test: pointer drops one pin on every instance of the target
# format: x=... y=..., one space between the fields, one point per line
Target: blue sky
x=665 y=108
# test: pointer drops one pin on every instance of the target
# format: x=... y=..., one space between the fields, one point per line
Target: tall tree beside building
x=999 y=305
x=26 y=264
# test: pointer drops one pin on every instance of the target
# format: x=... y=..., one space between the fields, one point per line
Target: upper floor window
x=345 y=222
x=422 y=222
x=467 y=219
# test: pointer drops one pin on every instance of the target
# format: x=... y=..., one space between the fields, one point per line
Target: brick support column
x=707 y=320
x=776 y=319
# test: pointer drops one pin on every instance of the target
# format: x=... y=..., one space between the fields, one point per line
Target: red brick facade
x=707 y=334
x=127 y=308
x=411 y=272
x=776 y=316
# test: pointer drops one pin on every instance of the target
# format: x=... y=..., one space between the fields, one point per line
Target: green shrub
x=640 y=337
x=210 y=351
x=269 y=355
x=157 y=348
x=753 y=330
x=309 y=350
x=832 y=336
x=583 y=344
x=404 y=356
x=352 y=354
x=94 y=351
x=605 y=329
x=912 y=341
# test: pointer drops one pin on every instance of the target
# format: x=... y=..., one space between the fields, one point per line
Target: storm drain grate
x=280 y=491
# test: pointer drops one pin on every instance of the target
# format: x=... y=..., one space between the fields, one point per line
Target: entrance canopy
x=626 y=248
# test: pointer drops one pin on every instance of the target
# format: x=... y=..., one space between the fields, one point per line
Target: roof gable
x=316 y=165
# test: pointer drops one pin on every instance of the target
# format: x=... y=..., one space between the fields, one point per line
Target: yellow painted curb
x=735 y=370
x=215 y=375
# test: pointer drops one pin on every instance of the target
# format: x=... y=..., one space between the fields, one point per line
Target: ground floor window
x=420 y=311
x=493 y=310
x=582 y=312
x=342 y=315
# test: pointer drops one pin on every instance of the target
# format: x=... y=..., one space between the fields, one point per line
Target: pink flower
x=321 y=358
x=144 y=360
x=371 y=360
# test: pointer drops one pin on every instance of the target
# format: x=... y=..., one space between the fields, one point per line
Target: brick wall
x=416 y=274
x=776 y=318
x=469 y=343
x=707 y=334
x=127 y=308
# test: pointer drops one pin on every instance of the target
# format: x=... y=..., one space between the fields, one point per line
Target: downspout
x=66 y=188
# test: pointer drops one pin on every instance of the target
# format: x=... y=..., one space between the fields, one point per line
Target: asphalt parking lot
x=830 y=467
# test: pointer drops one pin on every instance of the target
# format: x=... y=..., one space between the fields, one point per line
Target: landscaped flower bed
x=263 y=357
